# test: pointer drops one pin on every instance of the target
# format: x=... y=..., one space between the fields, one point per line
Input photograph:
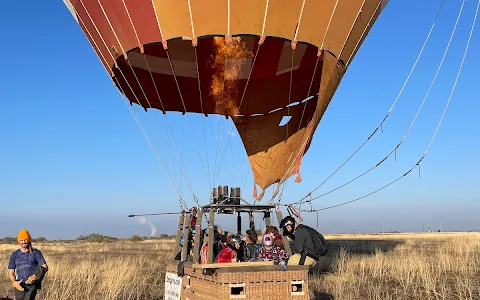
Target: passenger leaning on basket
x=309 y=243
x=271 y=252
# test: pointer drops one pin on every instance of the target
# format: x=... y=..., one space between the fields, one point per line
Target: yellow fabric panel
x=282 y=18
x=270 y=165
x=314 y=22
x=342 y=22
x=209 y=17
x=174 y=18
x=368 y=16
x=246 y=16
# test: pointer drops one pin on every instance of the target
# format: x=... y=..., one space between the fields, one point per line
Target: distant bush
x=8 y=240
x=40 y=239
x=135 y=238
x=166 y=236
x=96 y=238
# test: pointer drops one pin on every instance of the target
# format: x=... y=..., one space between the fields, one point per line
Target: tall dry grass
x=415 y=266
x=81 y=270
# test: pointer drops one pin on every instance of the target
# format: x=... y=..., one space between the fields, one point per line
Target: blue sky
x=74 y=160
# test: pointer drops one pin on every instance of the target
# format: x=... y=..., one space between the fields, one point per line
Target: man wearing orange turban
x=26 y=268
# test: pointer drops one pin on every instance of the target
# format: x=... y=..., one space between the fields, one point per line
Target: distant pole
x=353 y=228
x=390 y=228
x=441 y=230
x=423 y=227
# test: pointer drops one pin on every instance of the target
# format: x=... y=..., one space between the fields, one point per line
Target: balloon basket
x=238 y=280
x=193 y=273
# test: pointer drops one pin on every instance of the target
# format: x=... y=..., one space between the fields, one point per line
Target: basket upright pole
x=286 y=244
x=198 y=234
x=176 y=246
x=186 y=235
x=210 y=235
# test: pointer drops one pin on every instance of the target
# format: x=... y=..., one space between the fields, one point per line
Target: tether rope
x=434 y=134
x=389 y=111
x=411 y=124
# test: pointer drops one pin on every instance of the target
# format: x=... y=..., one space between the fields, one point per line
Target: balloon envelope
x=257 y=61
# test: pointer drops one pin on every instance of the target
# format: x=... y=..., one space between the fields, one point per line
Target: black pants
x=29 y=293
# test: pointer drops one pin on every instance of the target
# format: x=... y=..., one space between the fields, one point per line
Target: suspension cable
x=408 y=129
x=379 y=127
x=433 y=136
x=182 y=202
x=240 y=105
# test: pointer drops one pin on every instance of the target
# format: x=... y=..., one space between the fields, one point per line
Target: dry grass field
x=389 y=266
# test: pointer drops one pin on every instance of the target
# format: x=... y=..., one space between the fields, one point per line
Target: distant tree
x=135 y=238
x=40 y=239
x=96 y=238
x=164 y=236
x=8 y=240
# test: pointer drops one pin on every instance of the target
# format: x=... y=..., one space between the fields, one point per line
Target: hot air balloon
x=258 y=62
x=255 y=61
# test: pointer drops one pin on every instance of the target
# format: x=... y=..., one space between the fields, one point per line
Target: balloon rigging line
x=270 y=162
x=363 y=33
x=219 y=119
x=140 y=46
x=240 y=105
x=265 y=18
x=305 y=105
x=134 y=94
x=166 y=119
x=290 y=92
x=300 y=149
x=434 y=134
x=387 y=114
x=328 y=26
x=153 y=126
x=299 y=21
x=203 y=119
x=188 y=120
x=351 y=28
x=151 y=123
x=411 y=124
x=309 y=91
x=181 y=201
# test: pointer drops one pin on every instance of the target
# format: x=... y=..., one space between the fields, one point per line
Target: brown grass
x=396 y=266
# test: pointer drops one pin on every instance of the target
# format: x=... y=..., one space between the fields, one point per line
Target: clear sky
x=72 y=158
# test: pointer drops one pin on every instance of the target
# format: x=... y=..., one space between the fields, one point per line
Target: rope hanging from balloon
x=379 y=127
x=88 y=35
x=431 y=140
x=394 y=150
x=181 y=200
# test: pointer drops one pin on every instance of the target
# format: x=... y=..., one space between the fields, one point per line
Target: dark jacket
x=303 y=240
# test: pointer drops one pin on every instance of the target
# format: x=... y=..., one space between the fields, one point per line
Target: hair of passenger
x=271 y=229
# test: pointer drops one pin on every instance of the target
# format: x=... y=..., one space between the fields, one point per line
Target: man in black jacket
x=308 y=243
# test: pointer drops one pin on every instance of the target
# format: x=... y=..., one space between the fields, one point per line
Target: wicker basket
x=244 y=282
